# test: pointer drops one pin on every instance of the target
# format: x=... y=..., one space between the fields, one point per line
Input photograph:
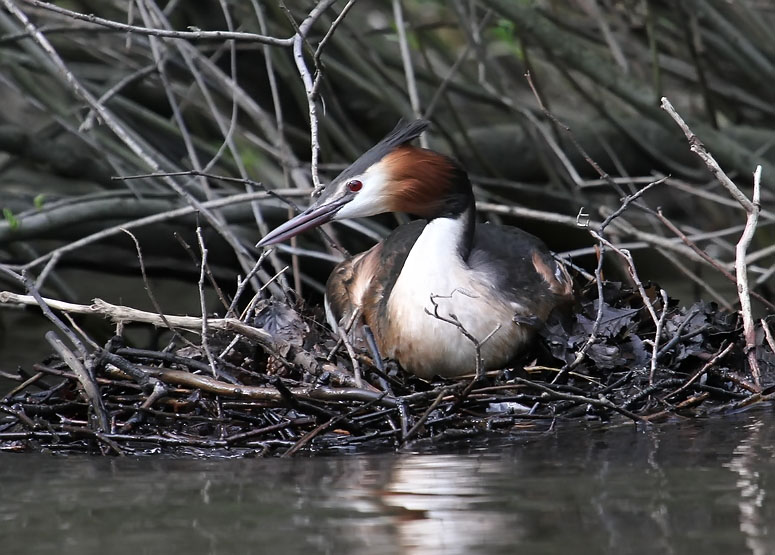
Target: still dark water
x=682 y=487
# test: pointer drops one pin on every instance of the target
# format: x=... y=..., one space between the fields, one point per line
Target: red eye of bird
x=354 y=185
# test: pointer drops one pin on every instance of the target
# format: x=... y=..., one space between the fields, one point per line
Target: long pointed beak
x=316 y=215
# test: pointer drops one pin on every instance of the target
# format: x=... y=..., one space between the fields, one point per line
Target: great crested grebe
x=499 y=282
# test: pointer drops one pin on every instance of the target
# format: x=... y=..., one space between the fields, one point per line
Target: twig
x=88 y=122
x=707 y=258
x=721 y=353
x=602 y=173
x=85 y=378
x=713 y=197
x=657 y=337
x=697 y=147
x=324 y=42
x=677 y=337
x=599 y=235
x=353 y=358
x=406 y=59
x=601 y=401
x=24 y=385
x=159 y=391
x=323 y=427
x=118 y=313
x=35 y=298
x=74 y=325
x=309 y=86
x=241 y=283
x=20 y=416
x=203 y=302
x=149 y=290
x=280 y=141
x=268 y=429
x=595 y=13
x=453 y=320
x=768 y=335
x=348 y=325
x=428 y=112
x=632 y=270
x=189 y=35
x=682 y=266
x=124 y=133
x=741 y=270
x=268 y=393
x=421 y=421
x=148 y=220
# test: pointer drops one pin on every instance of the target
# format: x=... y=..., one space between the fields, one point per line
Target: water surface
x=682 y=487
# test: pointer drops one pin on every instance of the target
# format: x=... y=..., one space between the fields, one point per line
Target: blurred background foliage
x=238 y=109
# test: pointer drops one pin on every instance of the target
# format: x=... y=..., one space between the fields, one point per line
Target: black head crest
x=402 y=133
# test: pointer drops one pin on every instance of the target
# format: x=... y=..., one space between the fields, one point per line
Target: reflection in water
x=444 y=504
x=433 y=504
x=683 y=487
x=620 y=490
x=746 y=464
x=616 y=514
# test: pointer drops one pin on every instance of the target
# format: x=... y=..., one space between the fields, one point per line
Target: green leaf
x=38 y=201
x=13 y=221
x=504 y=30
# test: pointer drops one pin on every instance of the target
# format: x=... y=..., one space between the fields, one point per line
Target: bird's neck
x=435 y=187
x=456 y=205
x=464 y=224
x=444 y=241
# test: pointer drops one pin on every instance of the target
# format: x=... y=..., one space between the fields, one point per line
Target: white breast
x=435 y=279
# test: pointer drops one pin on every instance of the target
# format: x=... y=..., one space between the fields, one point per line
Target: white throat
x=434 y=266
x=436 y=280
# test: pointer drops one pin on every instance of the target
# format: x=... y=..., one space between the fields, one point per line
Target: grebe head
x=392 y=176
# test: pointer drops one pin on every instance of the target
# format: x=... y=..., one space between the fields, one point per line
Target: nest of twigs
x=285 y=385
x=132 y=131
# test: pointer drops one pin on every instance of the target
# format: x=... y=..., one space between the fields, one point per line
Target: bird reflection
x=745 y=463
x=436 y=504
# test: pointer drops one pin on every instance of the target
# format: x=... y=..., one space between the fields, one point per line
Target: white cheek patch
x=371 y=199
